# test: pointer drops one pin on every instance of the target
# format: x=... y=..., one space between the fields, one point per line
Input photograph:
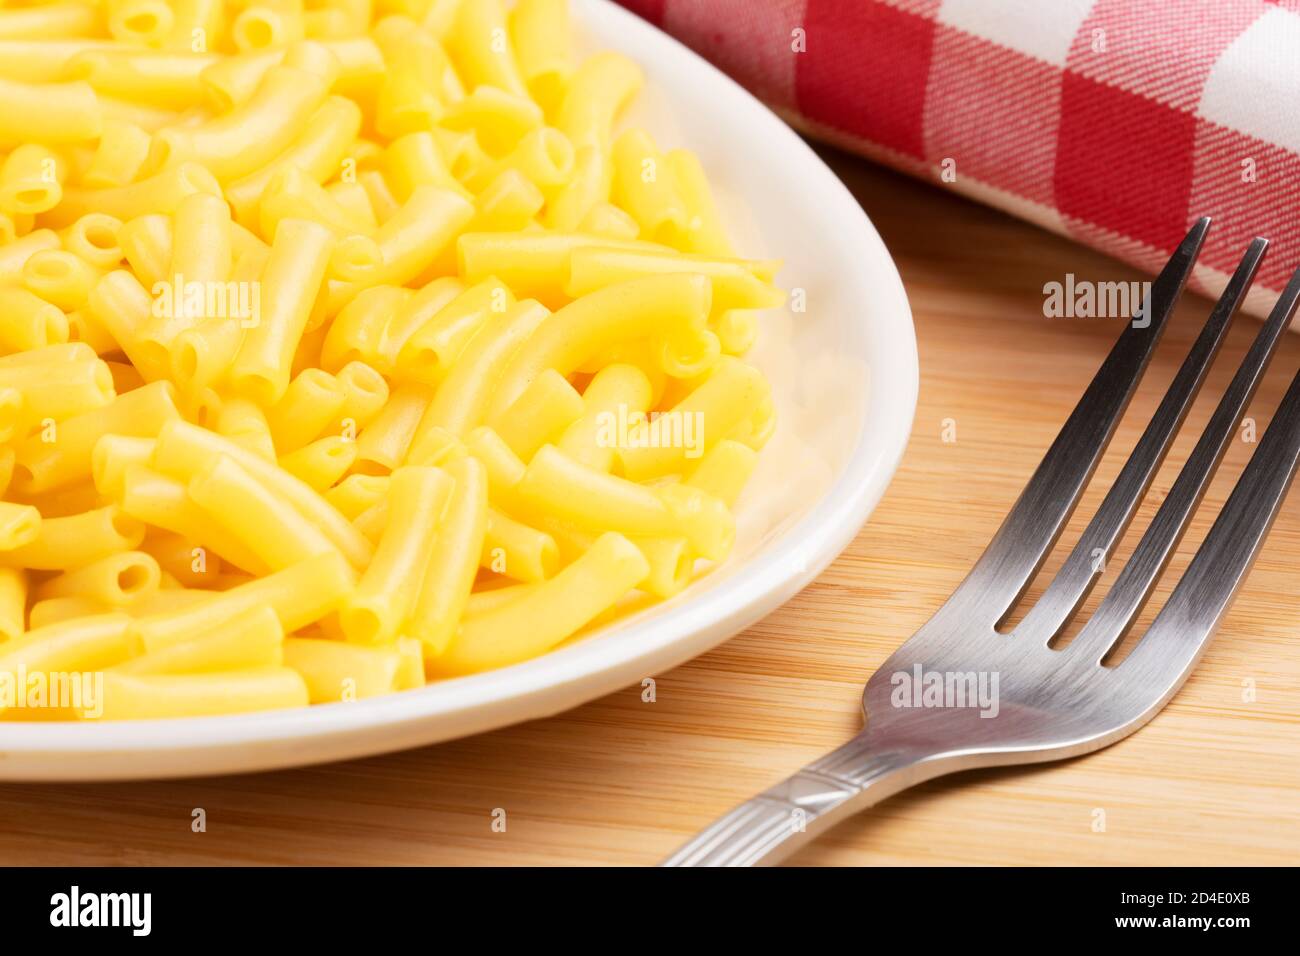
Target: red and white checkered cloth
x=1116 y=122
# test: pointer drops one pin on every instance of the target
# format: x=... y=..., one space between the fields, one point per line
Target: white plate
x=844 y=375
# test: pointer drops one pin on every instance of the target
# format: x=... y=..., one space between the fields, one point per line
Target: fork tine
x=1080 y=571
x=1032 y=526
x=1121 y=605
x=1181 y=630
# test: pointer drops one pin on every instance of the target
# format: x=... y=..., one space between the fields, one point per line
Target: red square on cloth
x=1249 y=187
x=865 y=71
x=1124 y=162
x=652 y=10
x=995 y=112
x=753 y=42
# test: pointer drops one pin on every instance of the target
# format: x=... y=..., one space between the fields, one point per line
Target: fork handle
x=769 y=827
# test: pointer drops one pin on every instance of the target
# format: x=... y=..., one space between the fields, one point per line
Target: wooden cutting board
x=1214 y=779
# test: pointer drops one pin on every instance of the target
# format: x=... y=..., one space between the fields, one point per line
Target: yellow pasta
x=419 y=80
x=547 y=406
x=20 y=525
x=673 y=308
x=95 y=238
x=121 y=153
x=724 y=402
x=335 y=671
x=6 y=463
x=403 y=247
x=644 y=186
x=733 y=282
x=428 y=335
x=292 y=276
x=185 y=451
x=83 y=644
x=541 y=35
x=260 y=27
x=388 y=590
x=146 y=243
x=77 y=540
x=60 y=278
x=365 y=392
x=13 y=603
x=723 y=472
x=165 y=79
x=319 y=152
x=159 y=193
x=517 y=551
x=415 y=160
x=322 y=463
x=383 y=445
x=255 y=516
x=543 y=156
x=549 y=613
x=248 y=640
x=617 y=393
x=312 y=401
x=163 y=502
x=41 y=60
x=126 y=377
x=356 y=494
x=292 y=194
x=29 y=322
x=118 y=580
x=463 y=400
x=15 y=253
x=410 y=665
x=705 y=233
x=534 y=264
x=202 y=239
x=479 y=47
x=378 y=193
x=556 y=485
x=357 y=332
x=598 y=90
x=508 y=202
x=130 y=696
x=352 y=199
x=245 y=423
x=348 y=345
x=43 y=466
x=144 y=22
x=49 y=114
x=252 y=135
x=299 y=595
x=607 y=221
x=184 y=565
x=588 y=186
x=56 y=610
x=197 y=25
x=31 y=180
x=449 y=574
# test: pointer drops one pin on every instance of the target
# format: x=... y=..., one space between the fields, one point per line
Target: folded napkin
x=1115 y=122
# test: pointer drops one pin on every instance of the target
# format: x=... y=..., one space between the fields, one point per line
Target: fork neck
x=769 y=827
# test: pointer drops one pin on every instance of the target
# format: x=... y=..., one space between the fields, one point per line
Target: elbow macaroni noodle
x=345 y=344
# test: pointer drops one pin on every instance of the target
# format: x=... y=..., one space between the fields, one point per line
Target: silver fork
x=1055 y=703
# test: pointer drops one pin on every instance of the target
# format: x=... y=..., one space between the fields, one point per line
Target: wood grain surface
x=1214 y=779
